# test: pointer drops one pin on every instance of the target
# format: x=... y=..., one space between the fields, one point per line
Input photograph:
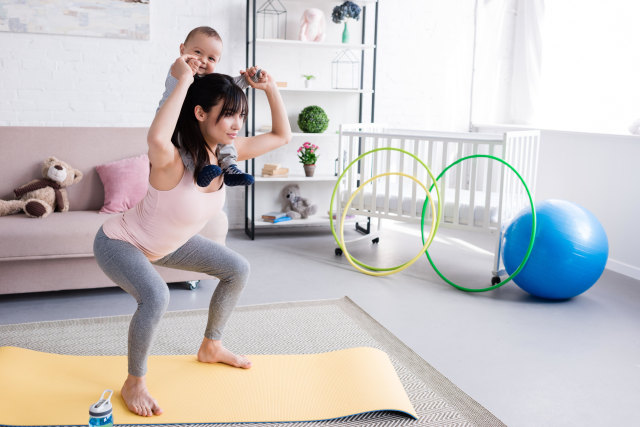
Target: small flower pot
x=309 y=170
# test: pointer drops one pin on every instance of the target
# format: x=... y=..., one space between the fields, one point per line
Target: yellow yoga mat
x=50 y=389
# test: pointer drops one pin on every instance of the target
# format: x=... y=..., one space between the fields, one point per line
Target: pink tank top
x=164 y=220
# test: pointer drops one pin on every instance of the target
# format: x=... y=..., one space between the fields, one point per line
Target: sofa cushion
x=59 y=235
x=125 y=182
x=68 y=234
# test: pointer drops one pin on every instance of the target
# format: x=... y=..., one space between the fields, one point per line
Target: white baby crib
x=477 y=194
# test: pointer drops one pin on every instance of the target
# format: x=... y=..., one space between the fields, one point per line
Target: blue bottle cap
x=102 y=407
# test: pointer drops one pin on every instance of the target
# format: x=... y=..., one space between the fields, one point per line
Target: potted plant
x=307 y=79
x=313 y=119
x=344 y=12
x=308 y=157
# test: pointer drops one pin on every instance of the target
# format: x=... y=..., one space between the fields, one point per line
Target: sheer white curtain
x=527 y=61
x=561 y=64
x=508 y=53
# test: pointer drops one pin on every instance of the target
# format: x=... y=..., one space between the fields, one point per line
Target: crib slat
x=387 y=181
x=430 y=162
x=472 y=188
x=501 y=178
x=458 y=186
x=487 y=197
x=443 y=185
x=351 y=178
x=400 y=192
x=374 y=172
x=414 y=194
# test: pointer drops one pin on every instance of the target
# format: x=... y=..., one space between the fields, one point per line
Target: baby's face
x=207 y=49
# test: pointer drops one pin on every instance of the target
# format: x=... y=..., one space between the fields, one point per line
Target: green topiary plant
x=313 y=119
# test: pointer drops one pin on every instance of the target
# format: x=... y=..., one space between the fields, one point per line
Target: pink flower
x=299 y=149
x=306 y=145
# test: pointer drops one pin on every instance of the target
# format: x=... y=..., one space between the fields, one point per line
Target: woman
x=162 y=229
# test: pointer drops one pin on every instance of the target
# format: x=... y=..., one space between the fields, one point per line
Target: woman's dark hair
x=206 y=91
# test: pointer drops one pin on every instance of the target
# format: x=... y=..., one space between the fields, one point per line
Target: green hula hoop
x=335 y=190
x=533 y=226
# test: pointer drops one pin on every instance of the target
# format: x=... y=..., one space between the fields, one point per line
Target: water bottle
x=100 y=413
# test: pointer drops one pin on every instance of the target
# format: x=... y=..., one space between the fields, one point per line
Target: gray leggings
x=130 y=269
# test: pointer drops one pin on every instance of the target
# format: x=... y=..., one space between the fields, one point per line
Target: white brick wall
x=423 y=75
x=56 y=80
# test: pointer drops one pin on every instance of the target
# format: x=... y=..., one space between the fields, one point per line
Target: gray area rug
x=282 y=328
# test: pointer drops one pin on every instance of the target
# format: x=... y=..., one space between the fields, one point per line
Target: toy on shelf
x=312 y=25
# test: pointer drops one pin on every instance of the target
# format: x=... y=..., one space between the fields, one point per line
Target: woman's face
x=225 y=130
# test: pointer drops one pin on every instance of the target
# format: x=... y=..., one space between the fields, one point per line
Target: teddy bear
x=294 y=205
x=40 y=197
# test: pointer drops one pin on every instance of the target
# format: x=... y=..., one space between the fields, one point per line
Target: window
x=576 y=63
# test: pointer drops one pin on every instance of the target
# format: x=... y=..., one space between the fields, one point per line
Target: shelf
x=312 y=221
x=293 y=43
x=360 y=2
x=315 y=135
x=333 y=134
x=297 y=178
x=293 y=89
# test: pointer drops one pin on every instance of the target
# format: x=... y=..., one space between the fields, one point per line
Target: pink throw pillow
x=125 y=183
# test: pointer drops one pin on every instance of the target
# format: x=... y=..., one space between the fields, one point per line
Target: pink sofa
x=56 y=252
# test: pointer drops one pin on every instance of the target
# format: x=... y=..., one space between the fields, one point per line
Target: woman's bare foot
x=135 y=394
x=212 y=351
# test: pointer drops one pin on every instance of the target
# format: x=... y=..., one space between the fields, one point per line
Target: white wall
x=57 y=80
x=598 y=172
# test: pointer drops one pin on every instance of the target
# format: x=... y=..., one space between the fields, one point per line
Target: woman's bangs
x=235 y=102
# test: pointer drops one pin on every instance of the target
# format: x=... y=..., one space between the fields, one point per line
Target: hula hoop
x=533 y=227
x=385 y=272
x=335 y=190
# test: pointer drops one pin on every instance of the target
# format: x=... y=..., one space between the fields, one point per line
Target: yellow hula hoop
x=434 y=223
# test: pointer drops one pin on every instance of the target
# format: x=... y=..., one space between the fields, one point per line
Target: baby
x=206 y=44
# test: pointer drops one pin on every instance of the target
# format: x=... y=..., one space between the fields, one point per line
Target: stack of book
x=274 y=170
x=275 y=217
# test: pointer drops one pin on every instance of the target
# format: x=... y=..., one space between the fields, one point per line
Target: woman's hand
x=249 y=148
x=263 y=83
x=185 y=67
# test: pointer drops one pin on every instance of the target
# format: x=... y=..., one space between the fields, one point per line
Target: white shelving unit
x=287 y=60
x=307 y=44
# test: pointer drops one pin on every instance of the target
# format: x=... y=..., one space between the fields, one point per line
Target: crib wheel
x=376 y=240
x=495 y=280
x=338 y=251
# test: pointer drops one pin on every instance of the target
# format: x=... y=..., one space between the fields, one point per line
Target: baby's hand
x=185 y=66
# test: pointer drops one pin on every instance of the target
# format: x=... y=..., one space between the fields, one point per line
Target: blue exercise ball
x=569 y=252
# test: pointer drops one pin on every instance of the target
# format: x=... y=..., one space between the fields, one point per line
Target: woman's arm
x=280 y=134
x=161 y=151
